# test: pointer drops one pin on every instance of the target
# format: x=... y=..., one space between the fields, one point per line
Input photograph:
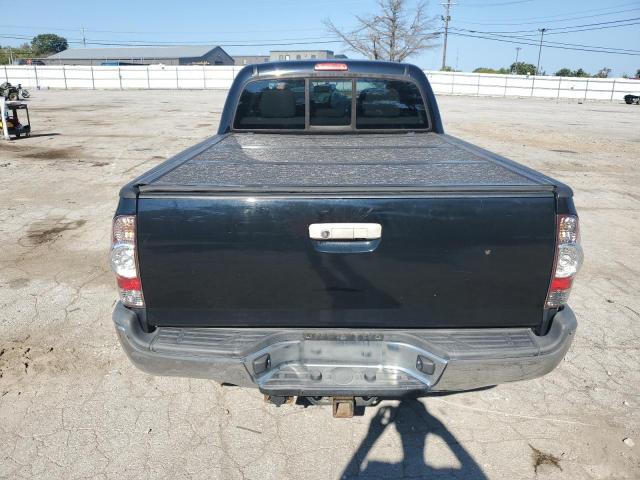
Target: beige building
x=284 y=55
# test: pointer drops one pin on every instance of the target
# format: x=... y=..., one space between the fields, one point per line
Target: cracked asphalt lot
x=71 y=405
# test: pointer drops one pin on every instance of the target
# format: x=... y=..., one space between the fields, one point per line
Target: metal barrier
x=172 y=77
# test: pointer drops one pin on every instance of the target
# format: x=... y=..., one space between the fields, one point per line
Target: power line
x=155 y=44
x=498 y=4
x=516 y=39
x=525 y=42
x=594 y=28
x=561 y=30
x=203 y=42
x=596 y=24
x=137 y=32
x=540 y=20
x=546 y=41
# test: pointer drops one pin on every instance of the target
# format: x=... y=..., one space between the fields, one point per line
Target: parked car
x=630 y=99
x=346 y=255
x=30 y=61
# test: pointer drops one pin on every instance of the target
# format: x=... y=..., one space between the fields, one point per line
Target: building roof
x=181 y=51
x=294 y=51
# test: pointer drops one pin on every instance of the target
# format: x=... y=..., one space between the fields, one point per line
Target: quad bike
x=13 y=93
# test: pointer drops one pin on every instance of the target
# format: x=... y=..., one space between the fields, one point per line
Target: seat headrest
x=277 y=104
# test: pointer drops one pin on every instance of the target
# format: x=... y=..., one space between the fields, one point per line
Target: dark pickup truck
x=333 y=242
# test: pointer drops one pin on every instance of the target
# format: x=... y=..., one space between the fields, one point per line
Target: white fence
x=125 y=77
x=484 y=84
x=220 y=77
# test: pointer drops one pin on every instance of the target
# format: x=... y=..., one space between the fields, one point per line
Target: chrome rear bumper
x=328 y=362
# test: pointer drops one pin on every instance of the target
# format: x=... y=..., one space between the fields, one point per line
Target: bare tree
x=394 y=34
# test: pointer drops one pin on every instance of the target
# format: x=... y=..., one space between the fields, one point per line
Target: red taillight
x=331 y=66
x=129 y=283
x=124 y=260
x=567 y=262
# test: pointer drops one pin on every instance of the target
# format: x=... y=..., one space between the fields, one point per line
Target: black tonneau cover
x=412 y=161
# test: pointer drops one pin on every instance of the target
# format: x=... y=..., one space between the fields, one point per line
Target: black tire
x=13 y=96
x=636 y=100
x=25 y=93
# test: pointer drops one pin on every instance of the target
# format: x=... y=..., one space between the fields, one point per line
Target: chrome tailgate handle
x=345 y=231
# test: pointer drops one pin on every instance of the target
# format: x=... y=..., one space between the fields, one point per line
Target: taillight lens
x=568 y=260
x=124 y=260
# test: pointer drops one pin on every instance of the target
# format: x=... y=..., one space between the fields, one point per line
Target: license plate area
x=344 y=363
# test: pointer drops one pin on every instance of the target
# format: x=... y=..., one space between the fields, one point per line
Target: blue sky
x=231 y=23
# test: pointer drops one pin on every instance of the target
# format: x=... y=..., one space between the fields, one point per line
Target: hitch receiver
x=343 y=407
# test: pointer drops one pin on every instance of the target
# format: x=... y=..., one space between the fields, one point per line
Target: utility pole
x=515 y=64
x=84 y=40
x=541 y=30
x=446 y=18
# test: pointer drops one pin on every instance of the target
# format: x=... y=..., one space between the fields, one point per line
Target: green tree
x=447 y=69
x=638 y=73
x=9 y=54
x=46 y=43
x=501 y=71
x=567 y=72
x=564 y=72
x=522 y=68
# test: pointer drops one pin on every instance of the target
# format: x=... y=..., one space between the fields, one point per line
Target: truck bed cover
x=272 y=162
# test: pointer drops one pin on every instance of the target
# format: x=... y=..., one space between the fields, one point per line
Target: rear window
x=389 y=104
x=330 y=102
x=345 y=103
x=272 y=104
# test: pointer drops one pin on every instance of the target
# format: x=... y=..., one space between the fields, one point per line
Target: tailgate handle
x=345 y=231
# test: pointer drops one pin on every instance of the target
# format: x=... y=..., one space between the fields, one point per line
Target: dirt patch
x=48 y=230
x=541 y=458
x=17 y=283
x=17 y=359
x=50 y=153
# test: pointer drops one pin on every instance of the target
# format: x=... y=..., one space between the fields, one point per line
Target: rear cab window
x=389 y=104
x=272 y=104
x=330 y=102
x=366 y=104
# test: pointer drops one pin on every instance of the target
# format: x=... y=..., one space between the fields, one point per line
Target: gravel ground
x=71 y=405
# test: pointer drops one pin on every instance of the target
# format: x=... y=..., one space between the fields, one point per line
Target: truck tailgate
x=444 y=260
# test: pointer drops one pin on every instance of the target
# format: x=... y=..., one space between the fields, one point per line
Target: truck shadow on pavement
x=414 y=424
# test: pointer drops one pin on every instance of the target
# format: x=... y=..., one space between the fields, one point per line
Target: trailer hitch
x=343 y=407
